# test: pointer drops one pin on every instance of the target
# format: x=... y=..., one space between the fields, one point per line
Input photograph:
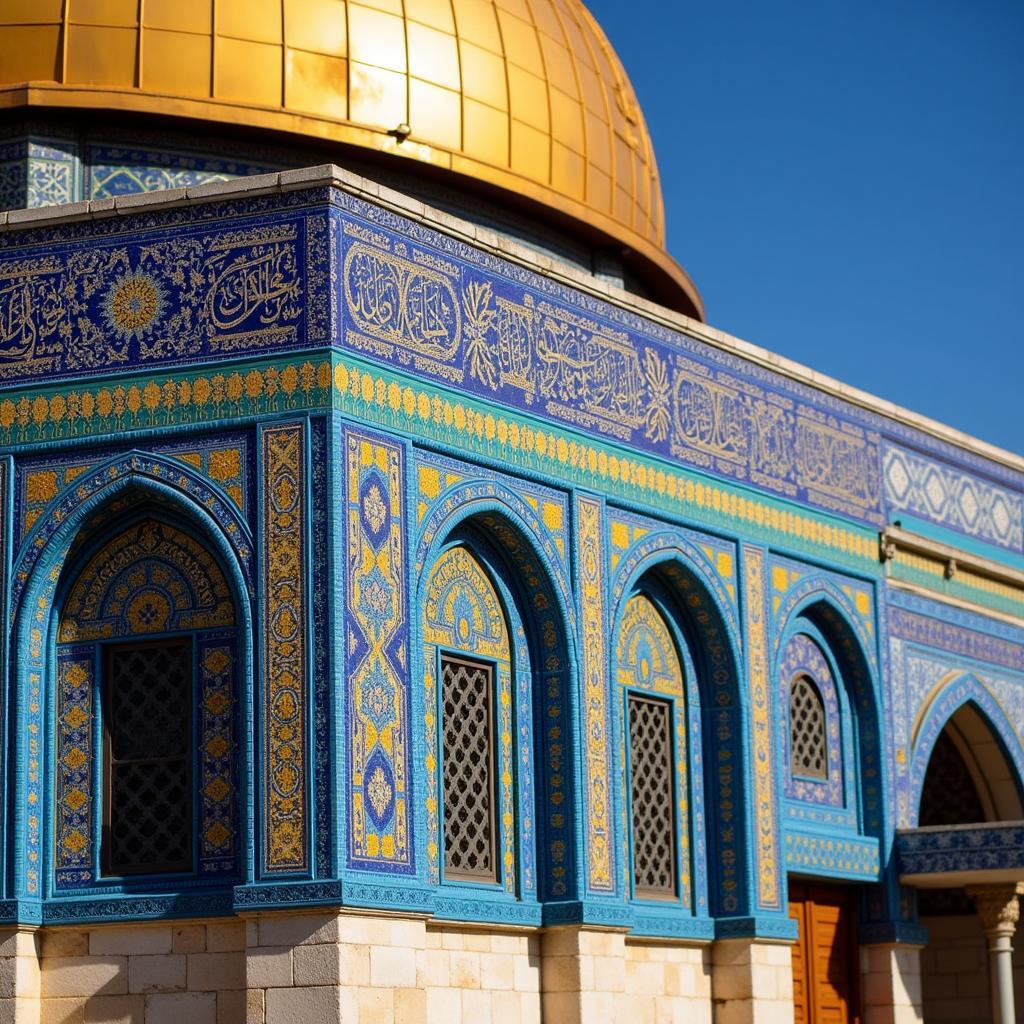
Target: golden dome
x=526 y=96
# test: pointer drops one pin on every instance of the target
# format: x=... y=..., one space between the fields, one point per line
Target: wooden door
x=826 y=976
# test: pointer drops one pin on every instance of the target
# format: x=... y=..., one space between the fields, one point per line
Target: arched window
x=813 y=717
x=146 y=773
x=650 y=673
x=478 y=678
x=808 y=729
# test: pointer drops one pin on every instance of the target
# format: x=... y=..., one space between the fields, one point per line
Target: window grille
x=147 y=824
x=651 y=791
x=808 y=730
x=468 y=770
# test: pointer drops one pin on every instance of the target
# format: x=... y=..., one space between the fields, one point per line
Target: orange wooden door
x=826 y=982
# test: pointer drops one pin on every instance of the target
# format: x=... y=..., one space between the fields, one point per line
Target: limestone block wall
x=666 y=984
x=375 y=969
x=955 y=972
x=144 y=974
x=752 y=982
x=366 y=968
x=890 y=986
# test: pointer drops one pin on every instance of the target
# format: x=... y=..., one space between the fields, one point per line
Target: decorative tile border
x=377 y=654
x=995 y=847
x=597 y=740
x=283 y=533
x=833 y=855
x=952 y=498
x=766 y=825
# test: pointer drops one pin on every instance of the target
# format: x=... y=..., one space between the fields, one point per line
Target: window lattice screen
x=808 y=738
x=148 y=806
x=652 y=804
x=468 y=773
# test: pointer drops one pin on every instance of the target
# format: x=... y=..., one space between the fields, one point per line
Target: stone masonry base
x=364 y=968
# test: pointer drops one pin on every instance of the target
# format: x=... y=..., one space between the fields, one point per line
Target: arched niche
x=512 y=558
x=146 y=707
x=652 y=673
x=80 y=551
x=969 y=779
x=668 y=568
x=818 y=609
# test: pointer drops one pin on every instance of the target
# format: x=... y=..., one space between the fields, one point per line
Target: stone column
x=752 y=981
x=20 y=976
x=999 y=911
x=891 y=980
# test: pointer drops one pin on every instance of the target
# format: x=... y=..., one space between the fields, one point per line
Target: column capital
x=998 y=906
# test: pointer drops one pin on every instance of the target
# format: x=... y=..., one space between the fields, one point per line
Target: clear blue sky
x=845 y=184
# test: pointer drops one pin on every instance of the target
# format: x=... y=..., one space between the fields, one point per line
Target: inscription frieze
x=145 y=300
x=412 y=307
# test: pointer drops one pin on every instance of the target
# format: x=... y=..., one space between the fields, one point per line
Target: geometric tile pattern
x=75 y=766
x=151 y=578
x=855 y=856
x=590 y=571
x=766 y=818
x=121 y=171
x=222 y=459
x=951 y=498
x=284 y=524
x=377 y=654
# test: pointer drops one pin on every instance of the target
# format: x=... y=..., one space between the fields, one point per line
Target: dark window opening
x=467 y=754
x=808 y=730
x=949 y=795
x=652 y=804
x=147 y=758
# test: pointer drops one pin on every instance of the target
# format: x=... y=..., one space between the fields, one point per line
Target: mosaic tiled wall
x=766 y=819
x=952 y=498
x=591 y=586
x=36 y=171
x=284 y=540
x=521 y=389
x=377 y=654
x=124 y=170
x=145 y=298
x=940 y=658
x=407 y=303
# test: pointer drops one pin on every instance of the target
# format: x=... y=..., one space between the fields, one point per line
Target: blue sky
x=845 y=184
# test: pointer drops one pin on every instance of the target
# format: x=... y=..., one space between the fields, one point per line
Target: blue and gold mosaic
x=285 y=668
x=377 y=654
x=378 y=425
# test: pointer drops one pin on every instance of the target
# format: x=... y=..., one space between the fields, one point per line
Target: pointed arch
x=964 y=709
x=699 y=607
x=127 y=484
x=523 y=562
x=818 y=606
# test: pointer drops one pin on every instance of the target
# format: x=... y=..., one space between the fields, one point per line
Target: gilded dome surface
x=526 y=96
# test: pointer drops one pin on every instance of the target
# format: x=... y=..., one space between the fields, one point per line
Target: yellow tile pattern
x=526 y=94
